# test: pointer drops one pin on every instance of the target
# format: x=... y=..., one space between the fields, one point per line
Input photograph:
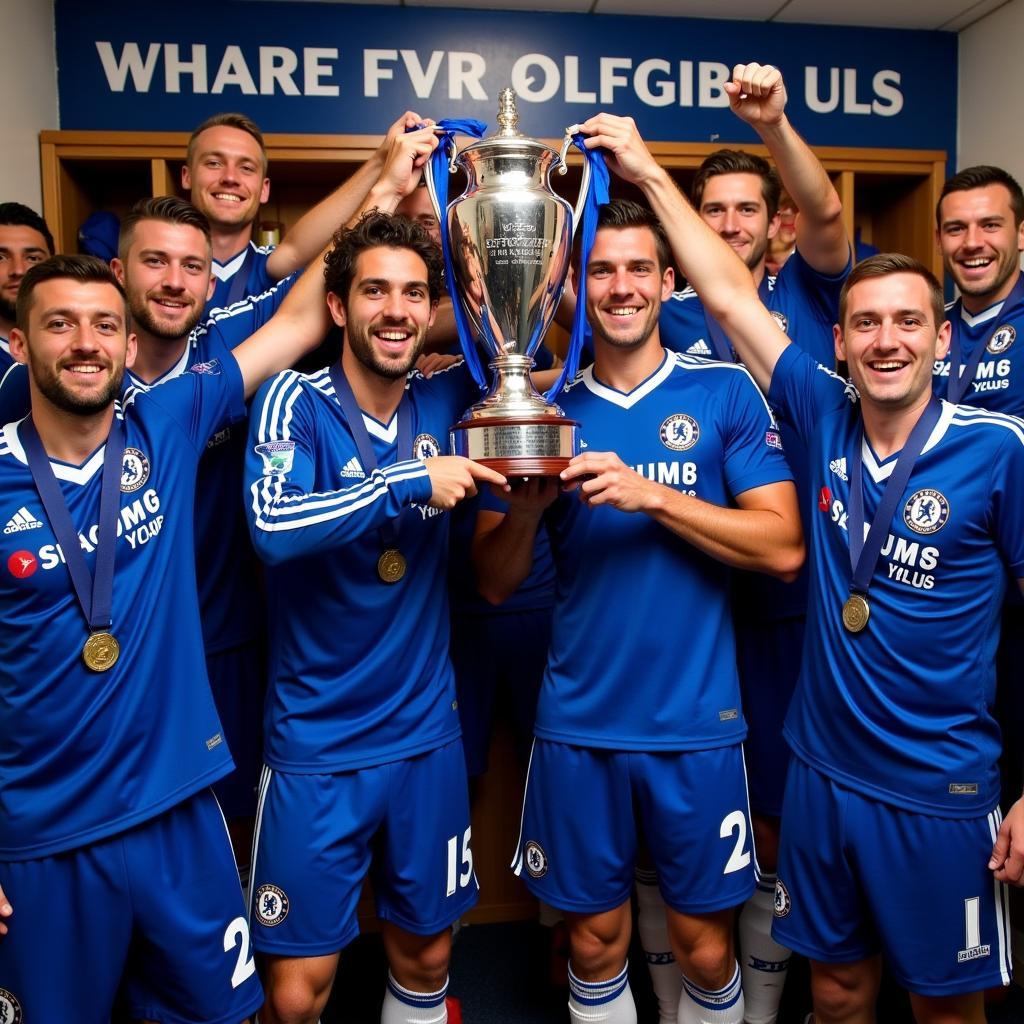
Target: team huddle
x=767 y=703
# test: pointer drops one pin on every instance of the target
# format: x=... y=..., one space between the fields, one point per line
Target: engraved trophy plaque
x=509 y=237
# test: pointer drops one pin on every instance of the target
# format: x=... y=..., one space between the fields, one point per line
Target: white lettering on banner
x=888 y=99
x=277 y=68
x=459 y=75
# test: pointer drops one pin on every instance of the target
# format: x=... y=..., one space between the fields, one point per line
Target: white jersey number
x=237 y=934
x=456 y=879
x=735 y=822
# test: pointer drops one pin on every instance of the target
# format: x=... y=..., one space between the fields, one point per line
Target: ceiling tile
x=928 y=14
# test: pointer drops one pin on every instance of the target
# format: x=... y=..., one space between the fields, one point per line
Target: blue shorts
x=582 y=808
x=492 y=652
x=238 y=681
x=318 y=834
x=768 y=656
x=155 y=912
x=858 y=877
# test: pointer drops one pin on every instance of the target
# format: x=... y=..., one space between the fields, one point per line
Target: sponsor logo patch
x=773 y=439
x=277 y=456
x=212 y=368
x=22 y=564
x=10 y=1008
x=780 y=319
x=824 y=499
x=21 y=521
x=1002 y=339
x=352 y=469
x=425 y=446
x=728 y=716
x=783 y=904
x=838 y=466
x=700 y=348
x=134 y=470
x=926 y=511
x=271 y=905
x=963 y=789
x=679 y=432
x=535 y=859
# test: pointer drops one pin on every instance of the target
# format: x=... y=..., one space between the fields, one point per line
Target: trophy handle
x=577 y=213
x=428 y=177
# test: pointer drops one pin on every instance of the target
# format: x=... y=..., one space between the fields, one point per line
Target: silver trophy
x=510 y=240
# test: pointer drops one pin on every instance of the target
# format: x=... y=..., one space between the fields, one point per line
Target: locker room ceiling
x=947 y=15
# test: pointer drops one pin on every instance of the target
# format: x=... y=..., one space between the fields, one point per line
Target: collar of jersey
x=979 y=318
x=61 y=470
x=881 y=469
x=5 y=345
x=226 y=271
x=175 y=371
x=627 y=399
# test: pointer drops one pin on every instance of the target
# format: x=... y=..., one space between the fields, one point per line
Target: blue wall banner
x=338 y=68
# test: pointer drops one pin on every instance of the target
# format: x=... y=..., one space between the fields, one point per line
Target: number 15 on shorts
x=460 y=867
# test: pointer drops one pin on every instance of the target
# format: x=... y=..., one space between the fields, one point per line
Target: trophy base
x=529 y=446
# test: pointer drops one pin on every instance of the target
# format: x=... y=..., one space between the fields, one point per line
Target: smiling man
x=346 y=503
x=225 y=174
x=920 y=514
x=25 y=240
x=682 y=479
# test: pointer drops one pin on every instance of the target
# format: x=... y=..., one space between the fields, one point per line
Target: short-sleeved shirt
x=642 y=654
x=252 y=261
x=359 y=671
x=88 y=754
x=902 y=710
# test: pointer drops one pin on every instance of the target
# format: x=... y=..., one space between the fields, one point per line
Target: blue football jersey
x=89 y=754
x=999 y=380
x=359 y=671
x=805 y=304
x=257 y=278
x=229 y=601
x=6 y=359
x=642 y=653
x=902 y=710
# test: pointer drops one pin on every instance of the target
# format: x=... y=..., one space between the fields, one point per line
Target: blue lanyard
x=960 y=380
x=720 y=343
x=367 y=456
x=864 y=552
x=95 y=593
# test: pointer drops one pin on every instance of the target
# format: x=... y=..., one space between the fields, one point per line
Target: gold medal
x=100 y=652
x=856 y=612
x=391 y=565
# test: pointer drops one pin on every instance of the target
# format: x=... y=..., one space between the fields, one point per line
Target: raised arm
x=720 y=278
x=314 y=230
x=757 y=95
x=303 y=319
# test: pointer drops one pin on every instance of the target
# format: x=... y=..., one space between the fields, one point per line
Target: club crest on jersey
x=780 y=319
x=425 y=446
x=535 y=858
x=926 y=511
x=679 y=432
x=271 y=905
x=277 y=456
x=10 y=1008
x=1002 y=339
x=134 y=470
x=783 y=904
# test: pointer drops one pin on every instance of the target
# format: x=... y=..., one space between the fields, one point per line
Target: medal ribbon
x=439 y=161
x=240 y=278
x=361 y=436
x=720 y=343
x=864 y=552
x=95 y=593
x=960 y=379
x=597 y=197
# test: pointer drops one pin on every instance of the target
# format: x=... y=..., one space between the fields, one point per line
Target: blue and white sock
x=403 y=1006
x=652 y=930
x=764 y=960
x=703 y=1006
x=601 y=1002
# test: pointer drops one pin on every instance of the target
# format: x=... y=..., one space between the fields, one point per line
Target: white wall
x=29 y=72
x=991 y=90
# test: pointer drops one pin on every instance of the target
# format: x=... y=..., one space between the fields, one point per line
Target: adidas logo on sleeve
x=353 y=469
x=22 y=520
x=700 y=348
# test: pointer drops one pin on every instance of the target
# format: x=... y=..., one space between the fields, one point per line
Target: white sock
x=764 y=960
x=601 y=1002
x=701 y=1006
x=402 y=1006
x=652 y=929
